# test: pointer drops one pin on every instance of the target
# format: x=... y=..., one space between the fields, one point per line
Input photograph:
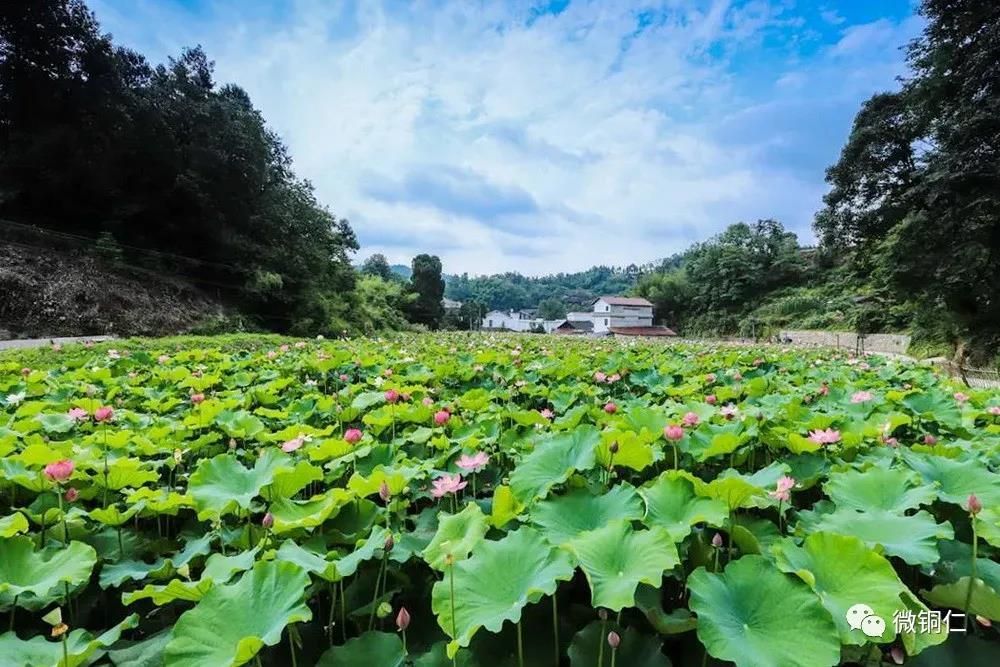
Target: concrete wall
x=893 y=343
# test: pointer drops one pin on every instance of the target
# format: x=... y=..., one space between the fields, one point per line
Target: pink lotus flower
x=301 y=344
x=104 y=413
x=391 y=396
x=673 y=432
x=862 y=397
x=383 y=492
x=737 y=376
x=782 y=488
x=352 y=435
x=614 y=377
x=729 y=411
x=403 y=619
x=387 y=372
x=267 y=521
x=441 y=417
x=711 y=399
x=973 y=504
x=548 y=414
x=690 y=419
x=59 y=471
x=825 y=436
x=717 y=541
x=284 y=348
x=56 y=347
x=162 y=359
x=271 y=354
x=197 y=398
x=614 y=640
x=824 y=389
x=71 y=495
x=446 y=484
x=77 y=414
x=995 y=410
x=599 y=376
x=114 y=354
x=930 y=439
x=291 y=445
x=610 y=407
x=343 y=377
x=473 y=463
x=960 y=397
x=710 y=378
x=25 y=372
x=427 y=401
x=890 y=441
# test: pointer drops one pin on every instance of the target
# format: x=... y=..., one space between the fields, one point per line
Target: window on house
x=605 y=321
x=489 y=323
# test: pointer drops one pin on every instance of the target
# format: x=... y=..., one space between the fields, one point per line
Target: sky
x=545 y=137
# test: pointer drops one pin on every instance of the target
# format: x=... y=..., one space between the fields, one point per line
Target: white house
x=513 y=320
x=620 y=311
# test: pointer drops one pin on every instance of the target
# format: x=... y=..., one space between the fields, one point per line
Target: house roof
x=579 y=316
x=642 y=331
x=576 y=325
x=623 y=301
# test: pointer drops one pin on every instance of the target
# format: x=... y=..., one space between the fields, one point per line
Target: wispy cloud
x=520 y=136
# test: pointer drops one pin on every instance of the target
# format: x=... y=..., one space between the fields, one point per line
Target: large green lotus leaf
x=985 y=599
x=634 y=451
x=956 y=480
x=735 y=491
x=145 y=653
x=553 y=461
x=239 y=424
x=13 y=524
x=291 y=515
x=232 y=623
x=395 y=478
x=457 y=535
x=221 y=484
x=678 y=621
x=913 y=538
x=616 y=559
x=115 y=574
x=752 y=614
x=844 y=572
x=565 y=517
x=176 y=589
x=123 y=473
x=158 y=501
x=37 y=455
x=635 y=650
x=22 y=475
x=890 y=489
x=81 y=647
x=497 y=583
x=671 y=502
x=289 y=482
x=56 y=423
x=367 y=650
x=375 y=542
x=112 y=516
x=960 y=651
x=310 y=561
x=24 y=570
x=505 y=507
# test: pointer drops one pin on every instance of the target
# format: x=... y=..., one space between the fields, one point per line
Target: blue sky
x=546 y=137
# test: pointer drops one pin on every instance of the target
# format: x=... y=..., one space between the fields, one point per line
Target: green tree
x=428 y=286
x=381 y=305
x=551 y=309
x=378 y=265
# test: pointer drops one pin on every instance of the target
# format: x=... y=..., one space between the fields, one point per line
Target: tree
x=381 y=305
x=427 y=284
x=551 y=309
x=378 y=265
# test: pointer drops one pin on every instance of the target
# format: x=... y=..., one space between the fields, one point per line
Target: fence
x=978 y=378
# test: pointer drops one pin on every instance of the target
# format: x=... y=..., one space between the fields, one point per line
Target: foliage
x=312 y=490
x=428 y=288
x=381 y=304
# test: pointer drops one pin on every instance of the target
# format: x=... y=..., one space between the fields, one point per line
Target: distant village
x=609 y=316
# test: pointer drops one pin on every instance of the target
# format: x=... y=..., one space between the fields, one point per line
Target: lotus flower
x=387 y=372
x=427 y=401
x=403 y=619
x=197 y=398
x=267 y=521
x=690 y=419
x=162 y=359
x=391 y=396
x=343 y=377
x=614 y=640
x=114 y=354
x=729 y=411
x=960 y=397
x=446 y=484
x=352 y=435
x=25 y=372
x=995 y=410
x=14 y=399
x=301 y=344
x=824 y=389
x=291 y=445
x=599 y=376
x=614 y=377
x=710 y=378
x=77 y=414
x=737 y=376
x=673 y=432
x=782 y=488
x=862 y=397
x=930 y=439
x=71 y=495
x=973 y=504
x=717 y=541
x=473 y=463
x=825 y=436
x=56 y=347
x=271 y=354
x=548 y=414
x=711 y=399
x=384 y=492
x=59 y=471
x=441 y=417
x=104 y=413
x=610 y=407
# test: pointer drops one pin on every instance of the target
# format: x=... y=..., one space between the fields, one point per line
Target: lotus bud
x=602 y=613
x=613 y=448
x=343 y=377
x=897 y=655
x=388 y=544
x=267 y=521
x=197 y=398
x=974 y=505
x=71 y=495
x=403 y=619
x=717 y=541
x=104 y=413
x=614 y=640
x=610 y=407
x=930 y=439
x=232 y=443
x=383 y=492
x=673 y=432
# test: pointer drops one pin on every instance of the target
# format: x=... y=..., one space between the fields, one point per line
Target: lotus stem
x=104 y=431
x=333 y=607
x=520 y=645
x=454 y=623
x=781 y=519
x=63 y=515
x=378 y=579
x=291 y=646
x=972 y=578
x=65 y=651
x=343 y=611
x=13 y=612
x=405 y=652
x=555 y=627
x=614 y=655
x=600 y=643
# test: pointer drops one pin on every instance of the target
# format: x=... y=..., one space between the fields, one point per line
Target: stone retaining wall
x=892 y=343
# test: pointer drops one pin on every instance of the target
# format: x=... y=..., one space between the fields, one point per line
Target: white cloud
x=405 y=119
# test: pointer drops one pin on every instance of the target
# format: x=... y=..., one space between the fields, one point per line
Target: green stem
x=781 y=519
x=104 y=431
x=65 y=651
x=378 y=580
x=614 y=656
x=405 y=652
x=972 y=579
x=600 y=644
x=333 y=607
x=520 y=645
x=674 y=447
x=454 y=626
x=555 y=627
x=13 y=612
x=343 y=612
x=291 y=647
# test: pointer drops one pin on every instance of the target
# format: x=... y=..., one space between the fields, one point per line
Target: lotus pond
x=492 y=500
